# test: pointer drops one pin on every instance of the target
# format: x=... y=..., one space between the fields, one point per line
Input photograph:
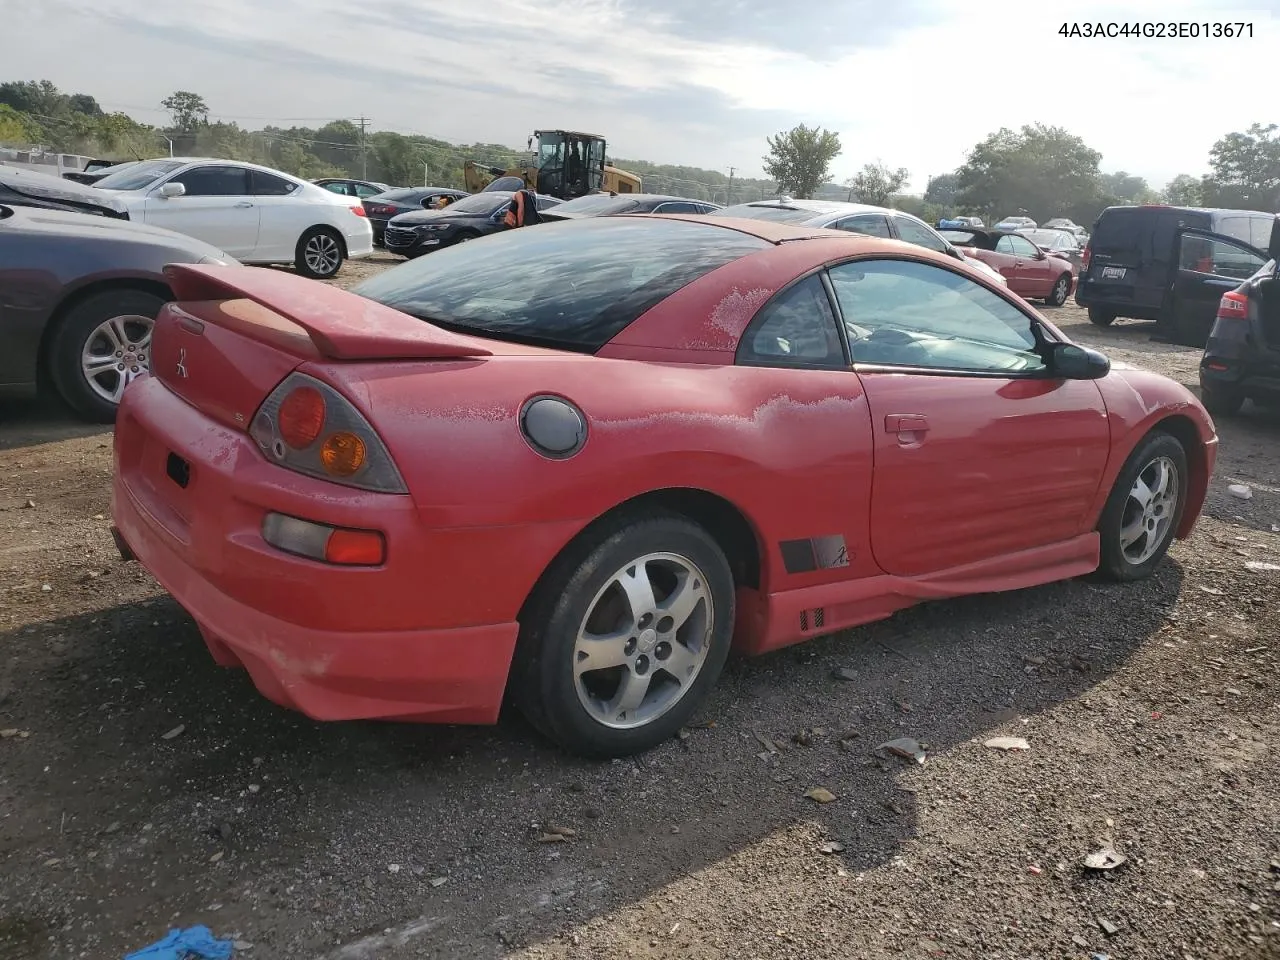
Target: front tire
x=1061 y=288
x=101 y=346
x=1144 y=509
x=1101 y=318
x=625 y=636
x=319 y=253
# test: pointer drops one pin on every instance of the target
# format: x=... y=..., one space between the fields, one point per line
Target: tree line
x=1038 y=171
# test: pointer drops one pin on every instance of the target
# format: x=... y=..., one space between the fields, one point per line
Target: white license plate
x=1113 y=273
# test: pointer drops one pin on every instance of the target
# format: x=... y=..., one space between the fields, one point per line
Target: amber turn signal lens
x=301 y=417
x=342 y=454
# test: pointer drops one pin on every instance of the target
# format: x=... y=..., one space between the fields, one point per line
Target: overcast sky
x=915 y=83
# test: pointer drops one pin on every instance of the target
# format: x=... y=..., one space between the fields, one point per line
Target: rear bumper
x=360 y=243
x=335 y=643
x=1242 y=378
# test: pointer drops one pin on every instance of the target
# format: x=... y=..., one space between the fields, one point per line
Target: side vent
x=812 y=619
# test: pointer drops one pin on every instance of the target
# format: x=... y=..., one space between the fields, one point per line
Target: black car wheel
x=101 y=346
x=625 y=635
x=1144 y=509
x=1221 y=401
x=1101 y=318
x=319 y=253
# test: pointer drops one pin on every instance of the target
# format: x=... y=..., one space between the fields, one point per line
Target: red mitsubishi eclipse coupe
x=580 y=462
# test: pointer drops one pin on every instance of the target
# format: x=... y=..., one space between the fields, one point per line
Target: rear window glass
x=411 y=195
x=1235 y=227
x=770 y=212
x=573 y=285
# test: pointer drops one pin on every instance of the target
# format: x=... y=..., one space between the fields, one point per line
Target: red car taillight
x=319 y=541
x=381 y=210
x=359 y=211
x=307 y=426
x=1086 y=256
x=1233 y=306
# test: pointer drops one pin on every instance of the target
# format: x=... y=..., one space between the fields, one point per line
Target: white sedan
x=255 y=214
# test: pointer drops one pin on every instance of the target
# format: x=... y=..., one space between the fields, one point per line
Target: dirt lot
x=1151 y=711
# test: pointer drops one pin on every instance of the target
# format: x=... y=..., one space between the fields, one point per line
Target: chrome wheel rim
x=643 y=641
x=116 y=353
x=1148 y=513
x=1060 y=290
x=322 y=254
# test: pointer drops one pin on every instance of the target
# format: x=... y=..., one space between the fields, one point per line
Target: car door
x=792 y=355
x=979 y=454
x=1029 y=274
x=216 y=207
x=281 y=220
x=1209 y=265
x=872 y=224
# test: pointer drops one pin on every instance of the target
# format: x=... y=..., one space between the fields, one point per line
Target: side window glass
x=266 y=185
x=870 y=224
x=903 y=313
x=1005 y=244
x=920 y=235
x=797 y=328
x=214 y=182
x=1217 y=258
x=1260 y=232
x=336 y=188
x=1023 y=247
x=675 y=206
x=362 y=191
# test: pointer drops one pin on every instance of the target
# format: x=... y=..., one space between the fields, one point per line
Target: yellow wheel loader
x=566 y=164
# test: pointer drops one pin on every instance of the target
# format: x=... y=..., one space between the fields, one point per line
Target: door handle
x=243 y=203
x=906 y=423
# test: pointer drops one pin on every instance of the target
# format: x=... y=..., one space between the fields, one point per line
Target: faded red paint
x=430 y=634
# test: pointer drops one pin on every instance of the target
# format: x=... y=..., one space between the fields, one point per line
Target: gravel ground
x=142 y=787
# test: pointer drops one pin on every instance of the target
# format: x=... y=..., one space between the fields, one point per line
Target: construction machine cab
x=570 y=164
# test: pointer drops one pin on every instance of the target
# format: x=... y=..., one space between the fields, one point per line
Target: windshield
x=480 y=203
x=1050 y=239
x=598 y=203
x=573 y=285
x=138 y=176
x=771 y=211
x=959 y=237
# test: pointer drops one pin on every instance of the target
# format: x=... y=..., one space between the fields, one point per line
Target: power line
x=364 y=153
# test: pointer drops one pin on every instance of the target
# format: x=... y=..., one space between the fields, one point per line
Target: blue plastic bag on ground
x=185 y=944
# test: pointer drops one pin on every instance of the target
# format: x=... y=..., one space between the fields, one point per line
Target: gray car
x=78 y=297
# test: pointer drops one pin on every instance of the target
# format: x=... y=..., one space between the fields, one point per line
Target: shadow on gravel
x=303 y=835
x=27 y=423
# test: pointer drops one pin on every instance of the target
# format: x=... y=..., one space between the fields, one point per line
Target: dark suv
x=1170 y=265
x=1242 y=358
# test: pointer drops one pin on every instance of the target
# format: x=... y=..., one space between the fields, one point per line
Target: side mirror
x=170 y=190
x=1072 y=362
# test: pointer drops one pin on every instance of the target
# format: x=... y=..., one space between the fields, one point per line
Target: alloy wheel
x=116 y=353
x=1149 y=511
x=643 y=641
x=323 y=255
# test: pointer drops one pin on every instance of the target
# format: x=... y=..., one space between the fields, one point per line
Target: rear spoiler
x=342 y=325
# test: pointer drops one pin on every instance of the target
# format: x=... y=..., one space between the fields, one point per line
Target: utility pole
x=728 y=197
x=364 y=157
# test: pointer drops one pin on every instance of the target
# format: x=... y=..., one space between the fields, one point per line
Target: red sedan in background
x=1030 y=271
x=577 y=464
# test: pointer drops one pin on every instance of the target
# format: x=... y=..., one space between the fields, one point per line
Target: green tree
x=941 y=190
x=800 y=159
x=1246 y=168
x=187 y=111
x=18 y=129
x=1183 y=190
x=876 y=184
x=1126 y=187
x=1045 y=171
x=38 y=97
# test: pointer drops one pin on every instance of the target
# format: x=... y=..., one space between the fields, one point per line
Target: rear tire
x=599 y=587
x=114 y=325
x=1061 y=288
x=319 y=253
x=1221 y=401
x=1101 y=318
x=1135 y=536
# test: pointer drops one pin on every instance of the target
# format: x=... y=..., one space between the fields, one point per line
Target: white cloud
x=494 y=71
